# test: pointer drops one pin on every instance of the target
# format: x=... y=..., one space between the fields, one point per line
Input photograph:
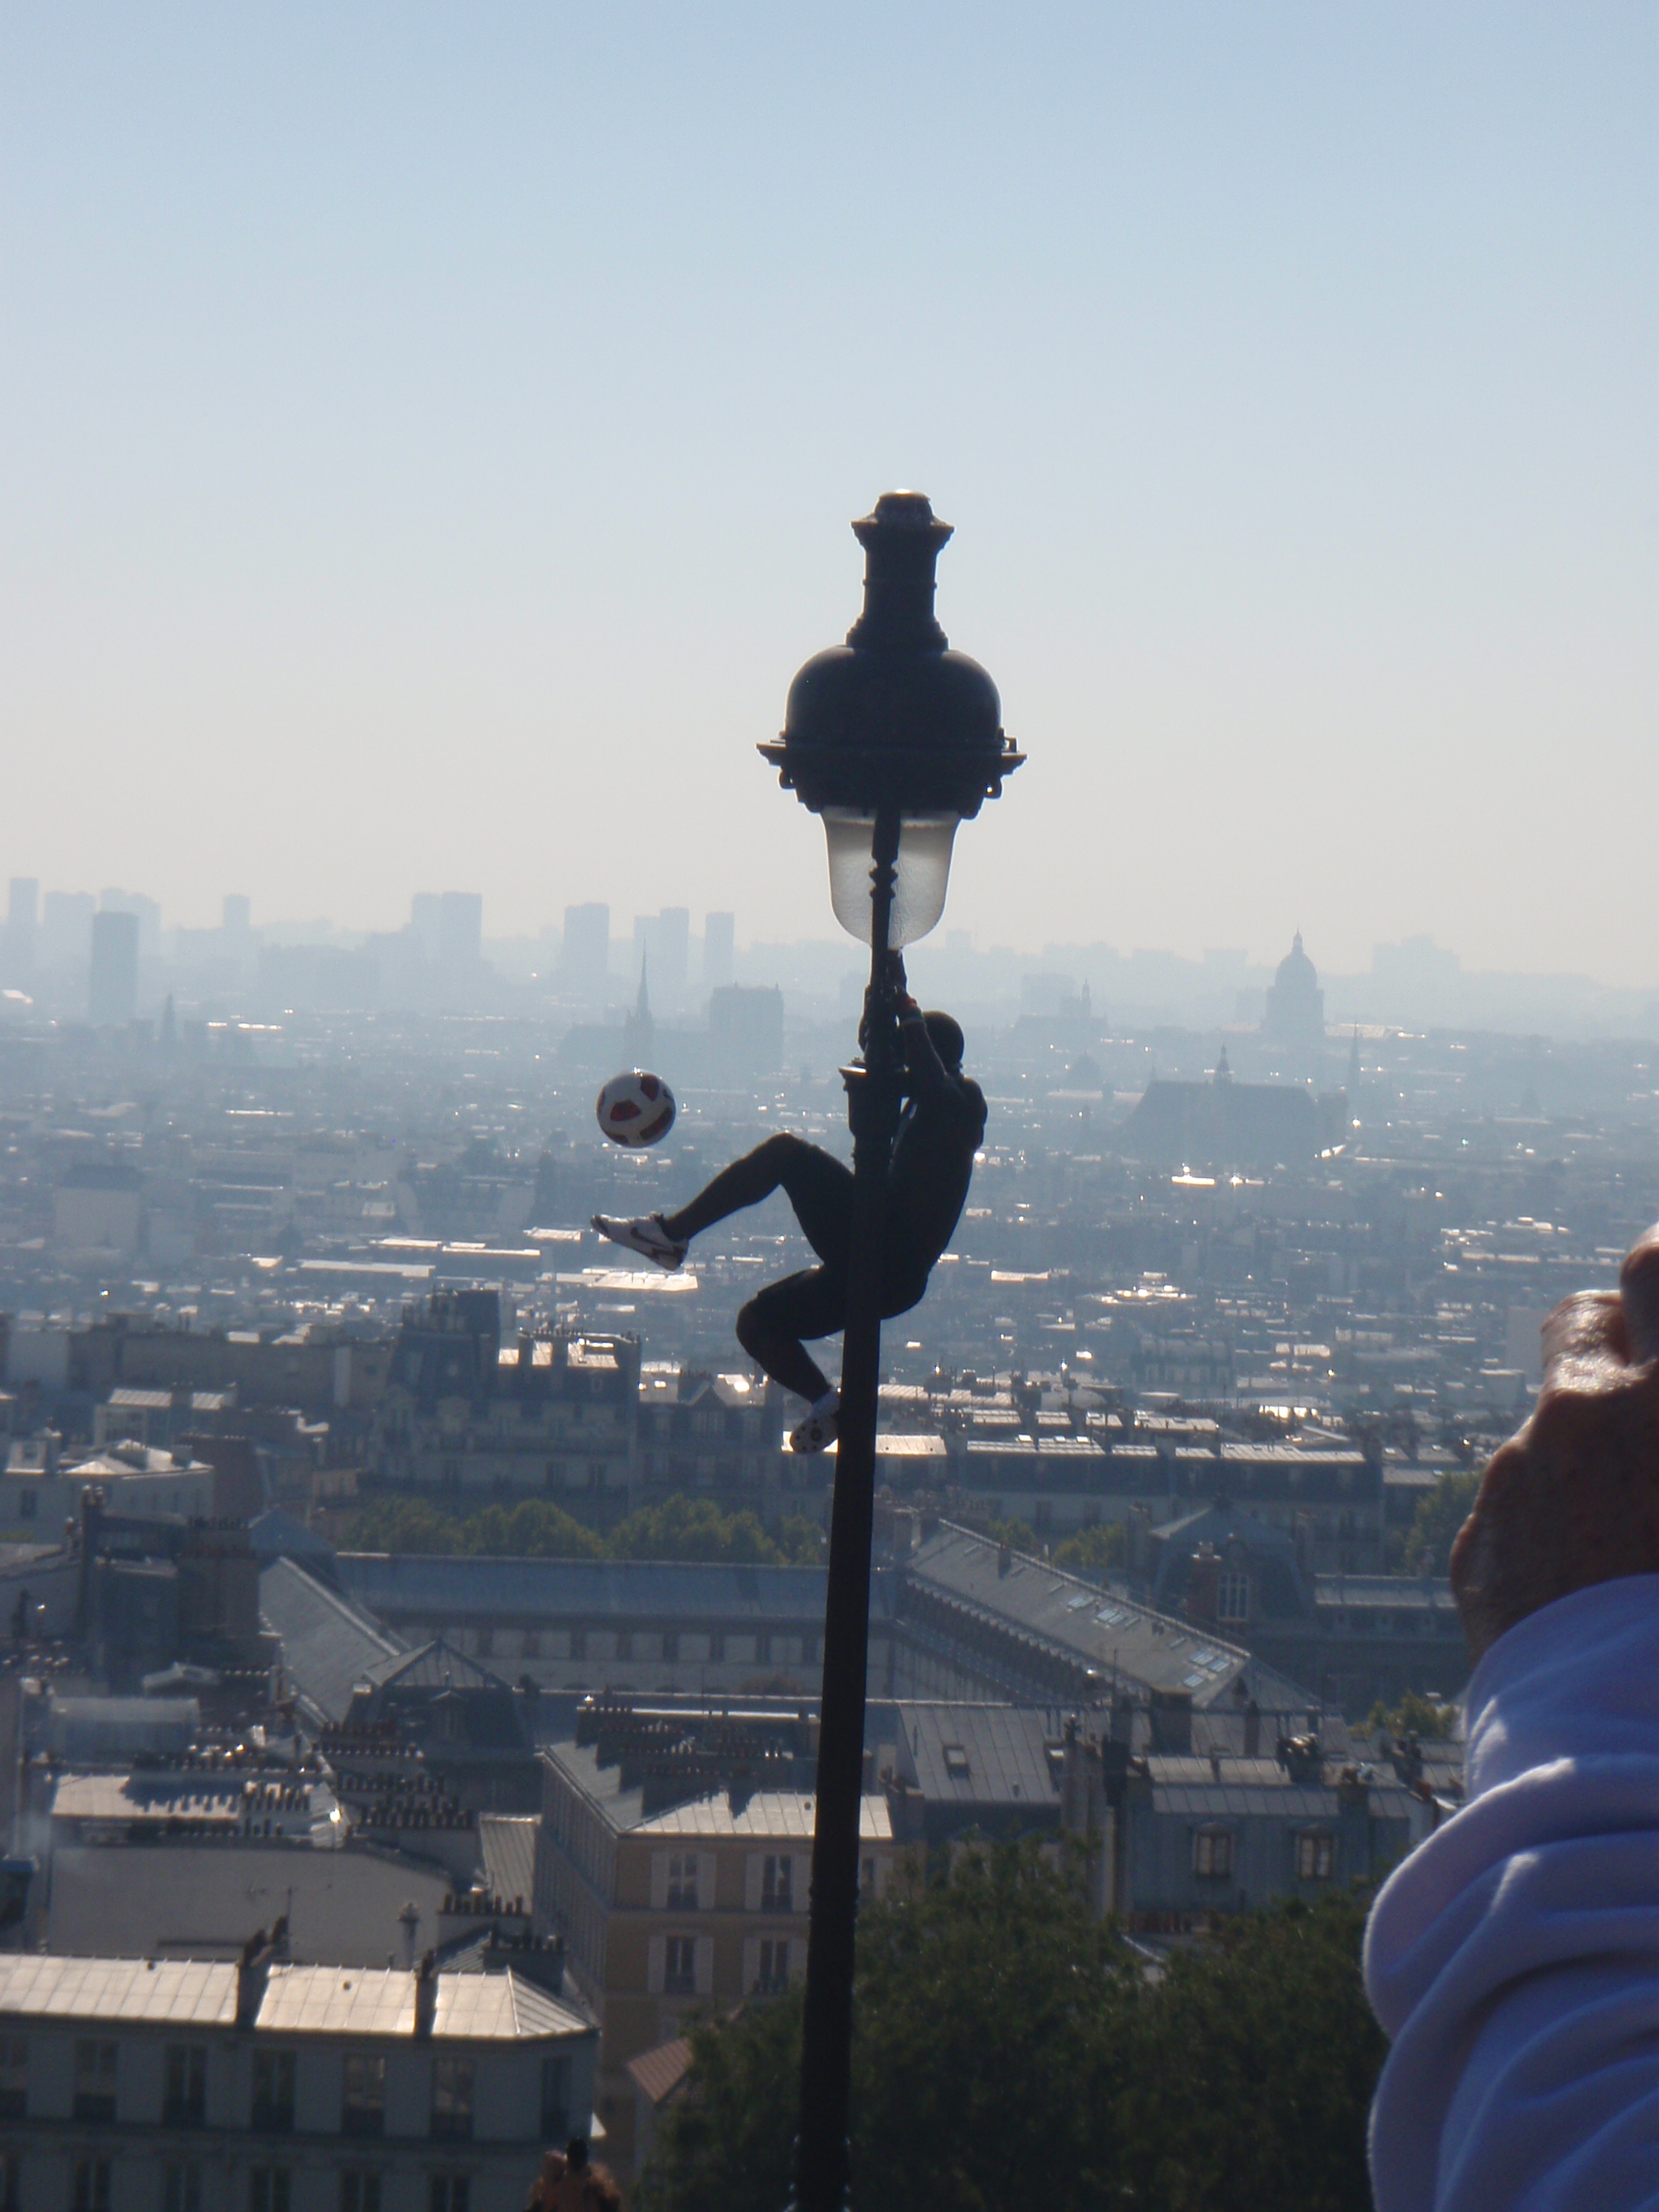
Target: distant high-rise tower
x=585 y=963
x=238 y=914
x=424 y=909
x=460 y=928
x=66 y=926
x=148 y=915
x=17 y=941
x=112 y=986
x=718 y=948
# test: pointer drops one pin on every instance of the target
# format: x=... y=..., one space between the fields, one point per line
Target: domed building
x=1296 y=1006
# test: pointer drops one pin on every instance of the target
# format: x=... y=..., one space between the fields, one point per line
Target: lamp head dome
x=894 y=718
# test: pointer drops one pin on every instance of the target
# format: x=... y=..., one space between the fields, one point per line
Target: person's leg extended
x=817 y=1185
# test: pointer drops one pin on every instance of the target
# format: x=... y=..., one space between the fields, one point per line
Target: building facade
x=160 y=2085
x=669 y=1911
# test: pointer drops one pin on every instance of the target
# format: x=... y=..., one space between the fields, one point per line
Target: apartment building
x=168 y=2085
x=673 y=1905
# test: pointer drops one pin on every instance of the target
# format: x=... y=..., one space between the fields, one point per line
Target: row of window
x=766 y=1970
x=1213 y=1852
x=541 y=1644
x=684 y=1889
x=270 y=2188
x=183 y=2095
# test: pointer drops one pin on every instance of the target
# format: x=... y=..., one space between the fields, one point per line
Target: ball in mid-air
x=635 y=1109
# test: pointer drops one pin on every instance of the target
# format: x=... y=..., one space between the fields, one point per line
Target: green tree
x=1018 y=1536
x=802 y=1542
x=683 y=1528
x=404 y=1524
x=1010 y=2051
x=534 y=1529
x=1105 y=1544
x=1441 y=1512
x=726 y=2145
x=984 y=2073
x=1251 y=2068
x=992 y=2009
x=1415 y=1715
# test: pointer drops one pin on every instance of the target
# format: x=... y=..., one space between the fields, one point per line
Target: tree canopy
x=1103 y=1545
x=1424 y=1717
x=680 y=1527
x=1011 y=2050
x=1441 y=1512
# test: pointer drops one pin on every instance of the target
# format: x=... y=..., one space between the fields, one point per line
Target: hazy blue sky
x=430 y=436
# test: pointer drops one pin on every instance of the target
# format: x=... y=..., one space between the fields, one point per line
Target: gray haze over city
x=430 y=444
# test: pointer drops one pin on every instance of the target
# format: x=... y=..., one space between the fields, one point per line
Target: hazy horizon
x=430 y=441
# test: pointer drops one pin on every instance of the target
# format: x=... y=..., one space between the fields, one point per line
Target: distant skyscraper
x=66 y=926
x=425 y=911
x=460 y=928
x=112 y=986
x=17 y=941
x=585 y=962
x=148 y=912
x=238 y=914
x=718 y=944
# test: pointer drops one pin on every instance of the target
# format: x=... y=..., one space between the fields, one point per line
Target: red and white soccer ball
x=635 y=1109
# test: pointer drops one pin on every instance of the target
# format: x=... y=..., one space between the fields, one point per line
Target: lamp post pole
x=894 y=737
x=874 y=1095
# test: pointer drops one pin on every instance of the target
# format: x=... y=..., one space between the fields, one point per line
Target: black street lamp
x=893 y=739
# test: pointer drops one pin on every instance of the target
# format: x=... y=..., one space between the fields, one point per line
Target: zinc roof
x=161 y=1989
x=159 y=1797
x=507 y=1844
x=1216 y=1801
x=428 y=1586
x=768 y=1813
x=1109 y=1633
x=977 y=1755
x=298 y=2000
x=327 y=1644
x=381 y=2001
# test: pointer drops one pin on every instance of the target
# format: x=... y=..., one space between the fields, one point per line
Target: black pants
x=812 y=1303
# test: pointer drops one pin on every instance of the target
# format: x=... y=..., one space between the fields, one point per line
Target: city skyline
x=430 y=449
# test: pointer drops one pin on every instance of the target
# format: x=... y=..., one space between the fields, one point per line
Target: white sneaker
x=646 y=1236
x=817 y=1432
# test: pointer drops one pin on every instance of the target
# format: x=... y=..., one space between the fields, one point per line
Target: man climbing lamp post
x=893 y=739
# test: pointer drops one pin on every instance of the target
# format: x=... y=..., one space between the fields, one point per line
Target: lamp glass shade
x=922 y=872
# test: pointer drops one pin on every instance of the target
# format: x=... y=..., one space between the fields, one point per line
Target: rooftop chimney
x=426 y=1994
x=253 y=1970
